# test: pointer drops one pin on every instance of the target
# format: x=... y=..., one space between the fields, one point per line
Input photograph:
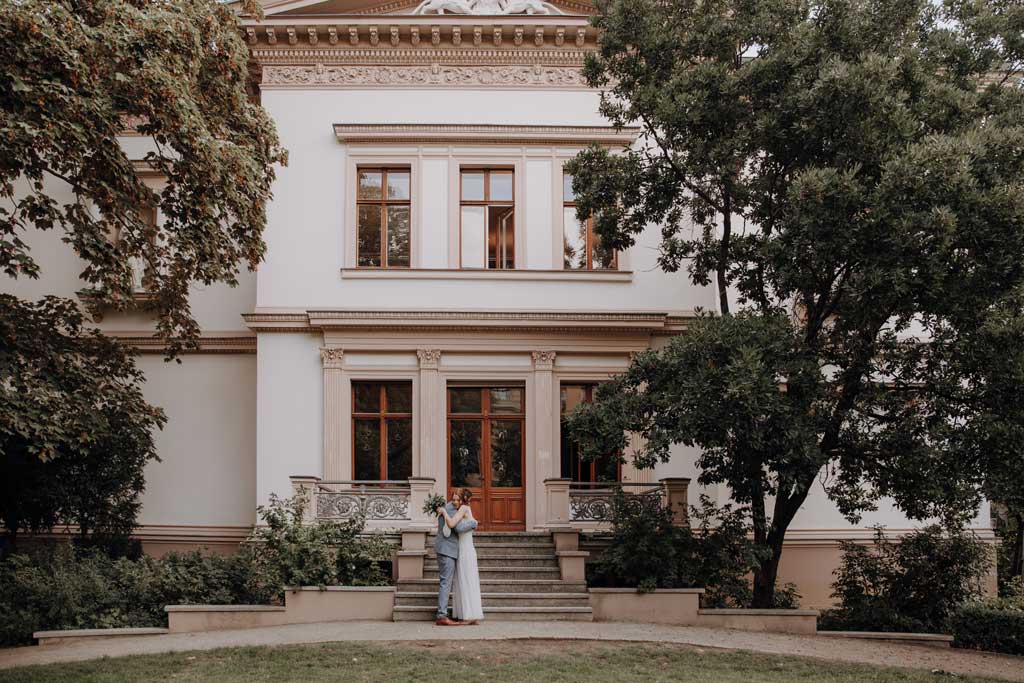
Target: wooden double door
x=486 y=452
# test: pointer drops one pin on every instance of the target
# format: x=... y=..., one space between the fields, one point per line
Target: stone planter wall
x=305 y=605
x=802 y=621
x=681 y=607
x=676 y=606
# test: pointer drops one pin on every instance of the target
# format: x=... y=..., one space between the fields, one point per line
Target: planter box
x=801 y=621
x=675 y=606
x=92 y=634
x=193 y=618
x=305 y=605
x=309 y=604
x=928 y=639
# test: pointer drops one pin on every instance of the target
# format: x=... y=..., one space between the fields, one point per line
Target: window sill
x=475 y=274
x=139 y=299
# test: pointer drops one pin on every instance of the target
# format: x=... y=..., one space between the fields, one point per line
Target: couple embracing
x=456 y=562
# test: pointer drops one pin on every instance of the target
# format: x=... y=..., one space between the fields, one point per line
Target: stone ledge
x=760 y=612
x=223 y=608
x=926 y=639
x=344 y=589
x=699 y=591
x=74 y=635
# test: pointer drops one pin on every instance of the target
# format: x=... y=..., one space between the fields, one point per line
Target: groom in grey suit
x=447 y=549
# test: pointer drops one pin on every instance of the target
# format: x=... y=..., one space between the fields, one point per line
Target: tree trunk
x=765 y=577
x=1017 y=559
x=723 y=255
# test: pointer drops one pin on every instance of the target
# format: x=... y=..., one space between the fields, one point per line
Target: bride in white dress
x=466 y=589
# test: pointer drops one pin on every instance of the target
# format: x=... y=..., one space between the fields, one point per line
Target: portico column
x=546 y=434
x=431 y=411
x=335 y=402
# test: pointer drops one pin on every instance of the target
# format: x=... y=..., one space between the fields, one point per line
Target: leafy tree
x=74 y=74
x=76 y=431
x=984 y=392
x=850 y=173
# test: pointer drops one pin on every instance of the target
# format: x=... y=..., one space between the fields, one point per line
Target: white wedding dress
x=466 y=587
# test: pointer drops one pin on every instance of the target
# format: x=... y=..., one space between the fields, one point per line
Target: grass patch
x=467 y=661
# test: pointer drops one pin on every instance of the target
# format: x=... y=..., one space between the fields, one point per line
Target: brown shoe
x=445 y=621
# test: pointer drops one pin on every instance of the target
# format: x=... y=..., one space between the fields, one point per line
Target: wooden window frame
x=487 y=203
x=588 y=397
x=383 y=203
x=590 y=239
x=383 y=415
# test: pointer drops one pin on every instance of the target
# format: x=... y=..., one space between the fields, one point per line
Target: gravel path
x=846 y=650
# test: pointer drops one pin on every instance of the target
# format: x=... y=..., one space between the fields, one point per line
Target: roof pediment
x=493 y=8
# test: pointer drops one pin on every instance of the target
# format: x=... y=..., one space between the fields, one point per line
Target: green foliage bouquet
x=434 y=501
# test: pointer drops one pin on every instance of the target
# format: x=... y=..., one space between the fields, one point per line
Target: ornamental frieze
x=419 y=76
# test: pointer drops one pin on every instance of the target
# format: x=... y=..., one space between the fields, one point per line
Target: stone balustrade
x=588 y=505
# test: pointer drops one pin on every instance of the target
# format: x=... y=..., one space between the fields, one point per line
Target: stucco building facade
x=429 y=306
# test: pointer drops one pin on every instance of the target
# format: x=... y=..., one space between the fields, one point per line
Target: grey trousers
x=446 y=570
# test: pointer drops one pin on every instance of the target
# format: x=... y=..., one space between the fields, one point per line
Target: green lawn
x=489 y=661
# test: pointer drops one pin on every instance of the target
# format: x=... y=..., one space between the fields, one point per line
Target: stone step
x=427 y=599
x=403 y=613
x=505 y=561
x=502 y=586
x=517 y=537
x=518 y=549
x=506 y=573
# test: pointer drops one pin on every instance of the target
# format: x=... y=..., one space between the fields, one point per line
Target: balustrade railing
x=592 y=502
x=376 y=501
x=385 y=504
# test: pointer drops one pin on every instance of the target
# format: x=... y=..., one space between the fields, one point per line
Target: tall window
x=383 y=211
x=381 y=430
x=605 y=468
x=142 y=276
x=485 y=427
x=581 y=248
x=487 y=203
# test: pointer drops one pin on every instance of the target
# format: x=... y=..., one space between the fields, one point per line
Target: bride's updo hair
x=465 y=495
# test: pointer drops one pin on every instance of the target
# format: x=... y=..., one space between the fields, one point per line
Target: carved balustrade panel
x=338 y=502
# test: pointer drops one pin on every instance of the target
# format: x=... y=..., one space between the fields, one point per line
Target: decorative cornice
x=384 y=55
x=463 y=321
x=429 y=358
x=377 y=133
x=150 y=344
x=332 y=357
x=515 y=77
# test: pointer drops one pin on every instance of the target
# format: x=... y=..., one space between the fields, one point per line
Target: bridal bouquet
x=433 y=502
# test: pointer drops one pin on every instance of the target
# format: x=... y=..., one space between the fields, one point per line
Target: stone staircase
x=519 y=581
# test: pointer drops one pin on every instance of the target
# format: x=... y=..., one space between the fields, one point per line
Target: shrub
x=644 y=545
x=911 y=586
x=647 y=551
x=982 y=626
x=288 y=553
x=70 y=587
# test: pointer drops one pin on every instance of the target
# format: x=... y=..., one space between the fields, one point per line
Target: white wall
x=207 y=472
x=216 y=308
x=306 y=241
x=289 y=412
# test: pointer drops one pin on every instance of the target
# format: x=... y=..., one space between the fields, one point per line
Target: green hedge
x=984 y=627
x=73 y=587
x=65 y=588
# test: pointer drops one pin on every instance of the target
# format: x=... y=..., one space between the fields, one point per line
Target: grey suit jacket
x=449 y=546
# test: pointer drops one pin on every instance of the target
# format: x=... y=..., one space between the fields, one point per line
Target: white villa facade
x=428 y=306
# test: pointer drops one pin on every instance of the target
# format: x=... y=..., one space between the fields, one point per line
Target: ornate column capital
x=543 y=360
x=332 y=357
x=429 y=358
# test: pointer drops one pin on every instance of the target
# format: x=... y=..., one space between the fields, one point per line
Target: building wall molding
x=489 y=134
x=240 y=342
x=447 y=76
